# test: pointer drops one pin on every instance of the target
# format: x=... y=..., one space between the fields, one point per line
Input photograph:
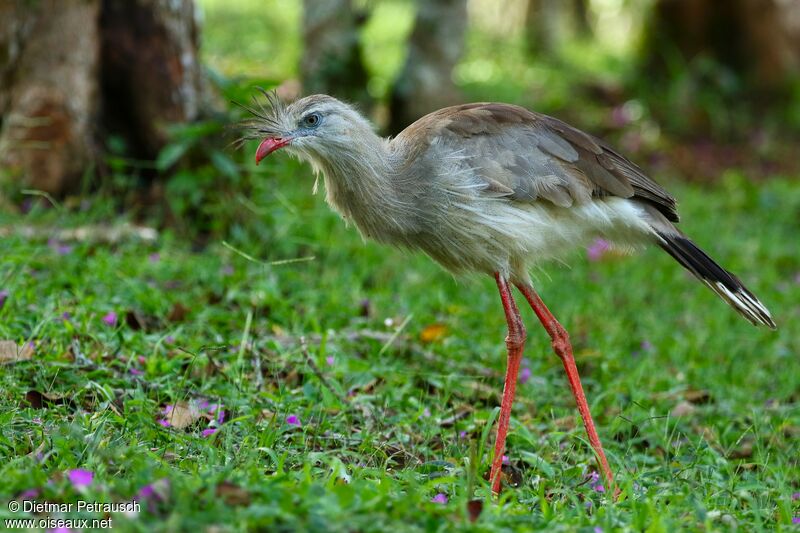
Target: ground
x=254 y=365
x=382 y=419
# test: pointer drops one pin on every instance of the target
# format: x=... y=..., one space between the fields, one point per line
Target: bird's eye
x=312 y=120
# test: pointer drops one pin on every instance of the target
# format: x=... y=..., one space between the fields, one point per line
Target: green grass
x=369 y=454
x=375 y=401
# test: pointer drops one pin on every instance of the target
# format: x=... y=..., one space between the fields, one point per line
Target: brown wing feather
x=526 y=156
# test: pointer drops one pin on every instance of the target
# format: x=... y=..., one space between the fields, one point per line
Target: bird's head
x=315 y=127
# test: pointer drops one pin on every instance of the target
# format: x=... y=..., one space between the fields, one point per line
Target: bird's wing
x=526 y=156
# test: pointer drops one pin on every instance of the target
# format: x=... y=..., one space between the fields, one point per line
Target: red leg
x=515 y=342
x=563 y=349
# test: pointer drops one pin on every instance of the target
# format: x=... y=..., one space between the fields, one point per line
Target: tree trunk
x=74 y=71
x=151 y=70
x=542 y=26
x=757 y=39
x=48 y=95
x=549 y=22
x=435 y=46
x=332 y=60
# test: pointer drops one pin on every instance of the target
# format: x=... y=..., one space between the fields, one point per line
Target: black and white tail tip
x=719 y=280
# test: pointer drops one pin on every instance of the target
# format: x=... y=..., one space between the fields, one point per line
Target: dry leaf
x=565 y=423
x=744 y=451
x=232 y=494
x=134 y=320
x=433 y=332
x=683 y=408
x=178 y=312
x=697 y=397
x=474 y=508
x=11 y=352
x=38 y=400
x=183 y=415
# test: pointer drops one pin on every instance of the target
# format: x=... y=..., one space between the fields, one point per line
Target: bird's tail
x=719 y=280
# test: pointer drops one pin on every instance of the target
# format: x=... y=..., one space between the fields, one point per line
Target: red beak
x=269 y=145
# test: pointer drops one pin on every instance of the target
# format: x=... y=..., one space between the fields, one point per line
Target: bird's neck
x=363 y=184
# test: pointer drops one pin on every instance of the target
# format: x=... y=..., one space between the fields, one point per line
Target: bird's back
x=512 y=187
x=520 y=187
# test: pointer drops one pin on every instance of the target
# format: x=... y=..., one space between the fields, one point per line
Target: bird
x=490 y=188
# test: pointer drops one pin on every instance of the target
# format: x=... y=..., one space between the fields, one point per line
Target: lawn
x=253 y=364
x=180 y=376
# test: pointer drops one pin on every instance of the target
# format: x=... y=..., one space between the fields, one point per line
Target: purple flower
x=145 y=493
x=426 y=413
x=164 y=422
x=329 y=360
x=30 y=494
x=60 y=529
x=525 y=375
x=227 y=270
x=170 y=339
x=80 y=477
x=462 y=435
x=220 y=416
x=597 y=249
x=293 y=420
x=208 y=432
x=168 y=409
x=65 y=316
x=3 y=297
x=796 y=520
x=506 y=460
x=440 y=498
x=110 y=319
x=796 y=496
x=153 y=491
x=647 y=345
x=595 y=482
x=136 y=372
x=203 y=404
x=598 y=529
x=59 y=247
x=154 y=257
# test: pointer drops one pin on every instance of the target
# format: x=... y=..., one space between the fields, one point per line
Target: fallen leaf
x=265 y=414
x=183 y=415
x=565 y=423
x=683 y=408
x=791 y=431
x=38 y=400
x=365 y=308
x=474 y=509
x=134 y=320
x=232 y=494
x=744 y=451
x=697 y=397
x=11 y=352
x=178 y=312
x=433 y=333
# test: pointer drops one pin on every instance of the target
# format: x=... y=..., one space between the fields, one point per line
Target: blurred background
x=130 y=99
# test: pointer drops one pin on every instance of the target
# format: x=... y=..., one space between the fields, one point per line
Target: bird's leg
x=515 y=342
x=563 y=348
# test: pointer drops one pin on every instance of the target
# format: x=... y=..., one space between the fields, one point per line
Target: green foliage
x=400 y=422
